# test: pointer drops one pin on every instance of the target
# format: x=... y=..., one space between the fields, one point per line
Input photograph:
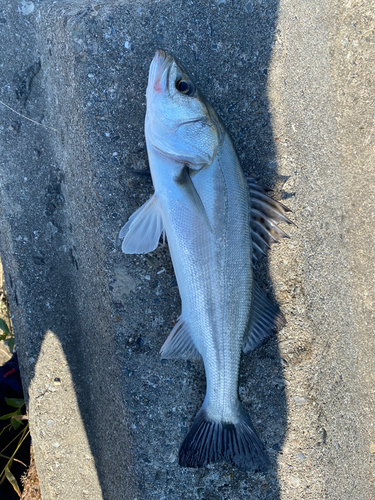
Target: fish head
x=179 y=123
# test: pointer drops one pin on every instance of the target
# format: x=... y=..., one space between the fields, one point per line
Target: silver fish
x=215 y=231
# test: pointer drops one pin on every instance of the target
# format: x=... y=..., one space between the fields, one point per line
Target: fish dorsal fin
x=179 y=343
x=266 y=214
x=142 y=231
x=266 y=318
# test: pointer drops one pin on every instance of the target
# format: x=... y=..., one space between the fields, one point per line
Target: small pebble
x=300 y=456
x=286 y=342
x=294 y=481
x=299 y=400
x=372 y=448
x=278 y=381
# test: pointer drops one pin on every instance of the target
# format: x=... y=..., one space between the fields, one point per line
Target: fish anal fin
x=142 y=231
x=266 y=318
x=179 y=343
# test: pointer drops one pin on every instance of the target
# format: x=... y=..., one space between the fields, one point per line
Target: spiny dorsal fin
x=266 y=318
x=266 y=214
x=179 y=343
x=142 y=231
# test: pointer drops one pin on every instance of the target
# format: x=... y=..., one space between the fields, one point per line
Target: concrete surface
x=293 y=83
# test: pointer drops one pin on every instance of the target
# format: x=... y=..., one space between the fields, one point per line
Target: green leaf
x=8 y=415
x=16 y=423
x=12 y=481
x=16 y=402
x=11 y=343
x=4 y=327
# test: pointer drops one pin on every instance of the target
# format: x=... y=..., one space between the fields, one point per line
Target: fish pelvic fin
x=211 y=441
x=266 y=318
x=266 y=214
x=179 y=343
x=142 y=231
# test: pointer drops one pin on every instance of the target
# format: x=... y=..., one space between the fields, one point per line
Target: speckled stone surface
x=293 y=83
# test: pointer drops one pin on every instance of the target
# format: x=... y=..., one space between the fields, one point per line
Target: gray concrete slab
x=292 y=82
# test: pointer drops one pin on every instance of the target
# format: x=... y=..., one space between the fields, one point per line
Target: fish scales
x=202 y=203
x=216 y=315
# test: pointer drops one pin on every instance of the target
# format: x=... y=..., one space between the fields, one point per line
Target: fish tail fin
x=211 y=441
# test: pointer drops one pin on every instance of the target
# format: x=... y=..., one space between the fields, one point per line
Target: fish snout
x=158 y=81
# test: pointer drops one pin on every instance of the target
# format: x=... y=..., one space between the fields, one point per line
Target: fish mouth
x=159 y=72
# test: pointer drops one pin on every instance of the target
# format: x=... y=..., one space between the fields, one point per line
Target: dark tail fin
x=213 y=441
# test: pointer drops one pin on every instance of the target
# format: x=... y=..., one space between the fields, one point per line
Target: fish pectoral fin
x=142 y=231
x=266 y=318
x=266 y=214
x=183 y=180
x=179 y=343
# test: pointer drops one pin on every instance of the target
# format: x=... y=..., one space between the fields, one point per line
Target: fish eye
x=185 y=86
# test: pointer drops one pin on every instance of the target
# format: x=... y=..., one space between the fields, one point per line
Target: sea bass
x=217 y=223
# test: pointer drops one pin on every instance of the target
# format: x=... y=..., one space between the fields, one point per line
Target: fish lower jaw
x=196 y=162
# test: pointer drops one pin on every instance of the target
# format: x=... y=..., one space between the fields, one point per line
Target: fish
x=217 y=224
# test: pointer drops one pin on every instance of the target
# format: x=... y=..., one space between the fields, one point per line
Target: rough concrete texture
x=293 y=82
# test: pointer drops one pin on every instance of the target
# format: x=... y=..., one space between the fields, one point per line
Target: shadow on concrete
x=63 y=267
